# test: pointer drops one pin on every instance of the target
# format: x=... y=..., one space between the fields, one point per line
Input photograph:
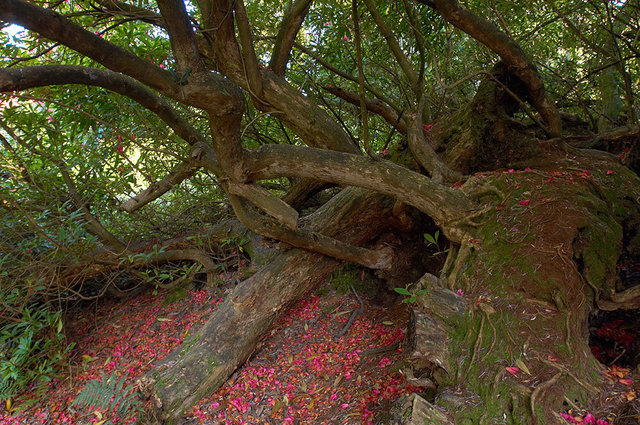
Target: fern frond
x=110 y=394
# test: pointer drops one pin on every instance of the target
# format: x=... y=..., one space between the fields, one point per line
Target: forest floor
x=300 y=373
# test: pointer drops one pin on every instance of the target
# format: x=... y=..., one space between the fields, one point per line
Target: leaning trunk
x=204 y=362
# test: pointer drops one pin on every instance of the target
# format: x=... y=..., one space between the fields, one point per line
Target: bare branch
x=289 y=28
x=181 y=172
x=374 y=105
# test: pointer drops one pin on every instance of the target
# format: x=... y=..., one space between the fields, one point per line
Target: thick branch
x=289 y=28
x=183 y=41
x=267 y=202
x=305 y=239
x=424 y=153
x=56 y=27
x=444 y=205
x=510 y=52
x=249 y=54
x=15 y=79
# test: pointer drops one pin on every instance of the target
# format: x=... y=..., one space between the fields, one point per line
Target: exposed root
x=487 y=189
x=476 y=345
x=564 y=370
x=488 y=310
x=461 y=259
x=539 y=389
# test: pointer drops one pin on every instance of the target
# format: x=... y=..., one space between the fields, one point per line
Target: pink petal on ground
x=512 y=370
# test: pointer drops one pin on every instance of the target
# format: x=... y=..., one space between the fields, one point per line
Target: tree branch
x=267 y=202
x=130 y=11
x=179 y=173
x=56 y=27
x=374 y=105
x=289 y=28
x=424 y=153
x=305 y=239
x=183 y=41
x=443 y=204
x=397 y=52
x=254 y=79
x=16 y=79
x=510 y=52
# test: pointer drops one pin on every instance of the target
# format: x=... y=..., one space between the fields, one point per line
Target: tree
x=269 y=104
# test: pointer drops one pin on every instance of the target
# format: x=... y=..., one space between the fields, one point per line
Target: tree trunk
x=543 y=259
x=208 y=358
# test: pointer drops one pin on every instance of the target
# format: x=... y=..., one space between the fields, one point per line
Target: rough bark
x=229 y=337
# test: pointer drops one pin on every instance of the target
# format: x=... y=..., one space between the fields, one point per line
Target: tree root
x=564 y=370
x=538 y=390
x=463 y=255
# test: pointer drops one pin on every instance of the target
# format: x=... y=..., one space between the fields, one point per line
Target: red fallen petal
x=567 y=417
x=625 y=381
x=427 y=127
x=589 y=419
x=120 y=149
x=511 y=170
x=609 y=172
x=525 y=202
x=512 y=370
x=587 y=172
x=550 y=179
x=551 y=358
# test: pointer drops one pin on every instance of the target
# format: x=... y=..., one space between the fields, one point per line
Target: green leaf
x=402 y=291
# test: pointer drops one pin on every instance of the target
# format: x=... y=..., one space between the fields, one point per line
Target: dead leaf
x=277 y=407
x=523 y=366
x=337 y=381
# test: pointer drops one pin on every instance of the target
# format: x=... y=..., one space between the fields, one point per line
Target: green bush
x=32 y=349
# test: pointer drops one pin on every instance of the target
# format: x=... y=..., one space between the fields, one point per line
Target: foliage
x=110 y=395
x=410 y=295
x=433 y=240
x=32 y=349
